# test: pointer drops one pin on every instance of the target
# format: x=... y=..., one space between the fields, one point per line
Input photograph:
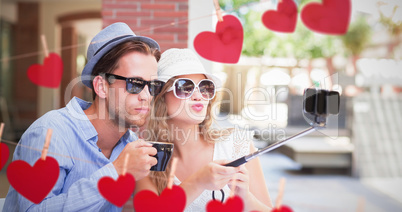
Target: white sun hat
x=175 y=62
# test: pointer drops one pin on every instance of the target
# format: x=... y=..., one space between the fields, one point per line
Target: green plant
x=393 y=27
x=357 y=37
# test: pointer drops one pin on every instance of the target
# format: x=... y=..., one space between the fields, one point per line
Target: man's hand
x=140 y=160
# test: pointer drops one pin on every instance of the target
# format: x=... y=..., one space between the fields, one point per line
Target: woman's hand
x=214 y=175
x=241 y=183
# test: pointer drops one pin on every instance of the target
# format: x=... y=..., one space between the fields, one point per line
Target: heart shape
x=233 y=204
x=284 y=19
x=283 y=208
x=33 y=183
x=170 y=200
x=50 y=74
x=225 y=44
x=119 y=191
x=330 y=17
x=4 y=154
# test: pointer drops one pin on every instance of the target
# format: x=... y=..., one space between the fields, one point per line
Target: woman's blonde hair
x=158 y=130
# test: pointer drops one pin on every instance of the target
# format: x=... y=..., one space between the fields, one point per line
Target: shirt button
x=100 y=150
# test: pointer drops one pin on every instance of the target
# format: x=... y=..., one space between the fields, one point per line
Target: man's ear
x=100 y=86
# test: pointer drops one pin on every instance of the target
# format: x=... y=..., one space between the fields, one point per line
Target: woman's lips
x=142 y=110
x=197 y=107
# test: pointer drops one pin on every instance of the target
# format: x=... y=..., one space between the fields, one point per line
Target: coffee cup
x=163 y=155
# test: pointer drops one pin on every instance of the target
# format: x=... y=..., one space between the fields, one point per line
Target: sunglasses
x=184 y=88
x=136 y=85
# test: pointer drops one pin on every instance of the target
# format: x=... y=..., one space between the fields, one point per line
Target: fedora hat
x=104 y=41
x=175 y=62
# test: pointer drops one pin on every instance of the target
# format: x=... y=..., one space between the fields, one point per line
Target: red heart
x=330 y=17
x=50 y=74
x=117 y=192
x=233 y=204
x=34 y=183
x=283 y=208
x=171 y=200
x=4 y=152
x=223 y=46
x=284 y=19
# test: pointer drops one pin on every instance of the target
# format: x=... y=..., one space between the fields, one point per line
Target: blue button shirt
x=73 y=145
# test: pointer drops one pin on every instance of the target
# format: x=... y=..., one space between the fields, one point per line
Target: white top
x=232 y=147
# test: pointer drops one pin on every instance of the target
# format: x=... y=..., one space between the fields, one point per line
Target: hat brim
x=87 y=71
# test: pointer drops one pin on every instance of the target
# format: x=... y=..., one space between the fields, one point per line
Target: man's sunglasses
x=184 y=88
x=136 y=85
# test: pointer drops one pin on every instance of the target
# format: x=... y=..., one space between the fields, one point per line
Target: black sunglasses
x=136 y=85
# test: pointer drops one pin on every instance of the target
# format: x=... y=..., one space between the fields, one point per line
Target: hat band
x=107 y=43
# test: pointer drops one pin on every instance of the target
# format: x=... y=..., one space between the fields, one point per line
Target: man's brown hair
x=110 y=61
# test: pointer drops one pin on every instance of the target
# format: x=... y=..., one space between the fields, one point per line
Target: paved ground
x=310 y=193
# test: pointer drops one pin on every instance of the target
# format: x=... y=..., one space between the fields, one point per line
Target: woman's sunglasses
x=184 y=88
x=136 y=85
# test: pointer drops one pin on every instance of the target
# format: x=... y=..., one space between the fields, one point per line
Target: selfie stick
x=317 y=105
x=273 y=146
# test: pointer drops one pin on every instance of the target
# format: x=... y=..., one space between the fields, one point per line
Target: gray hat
x=175 y=62
x=104 y=41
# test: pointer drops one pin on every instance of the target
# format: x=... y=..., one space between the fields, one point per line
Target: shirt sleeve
x=83 y=195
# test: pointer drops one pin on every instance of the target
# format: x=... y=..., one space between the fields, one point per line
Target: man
x=90 y=141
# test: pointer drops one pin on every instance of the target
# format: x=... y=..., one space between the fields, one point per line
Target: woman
x=181 y=114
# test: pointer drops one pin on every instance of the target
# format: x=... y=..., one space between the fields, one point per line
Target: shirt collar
x=129 y=136
x=76 y=108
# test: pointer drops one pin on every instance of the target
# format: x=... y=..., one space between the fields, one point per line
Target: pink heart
x=49 y=74
x=284 y=19
x=171 y=200
x=330 y=17
x=233 y=204
x=119 y=191
x=5 y=153
x=33 y=183
x=225 y=44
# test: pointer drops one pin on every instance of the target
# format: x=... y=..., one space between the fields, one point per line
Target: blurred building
x=68 y=26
